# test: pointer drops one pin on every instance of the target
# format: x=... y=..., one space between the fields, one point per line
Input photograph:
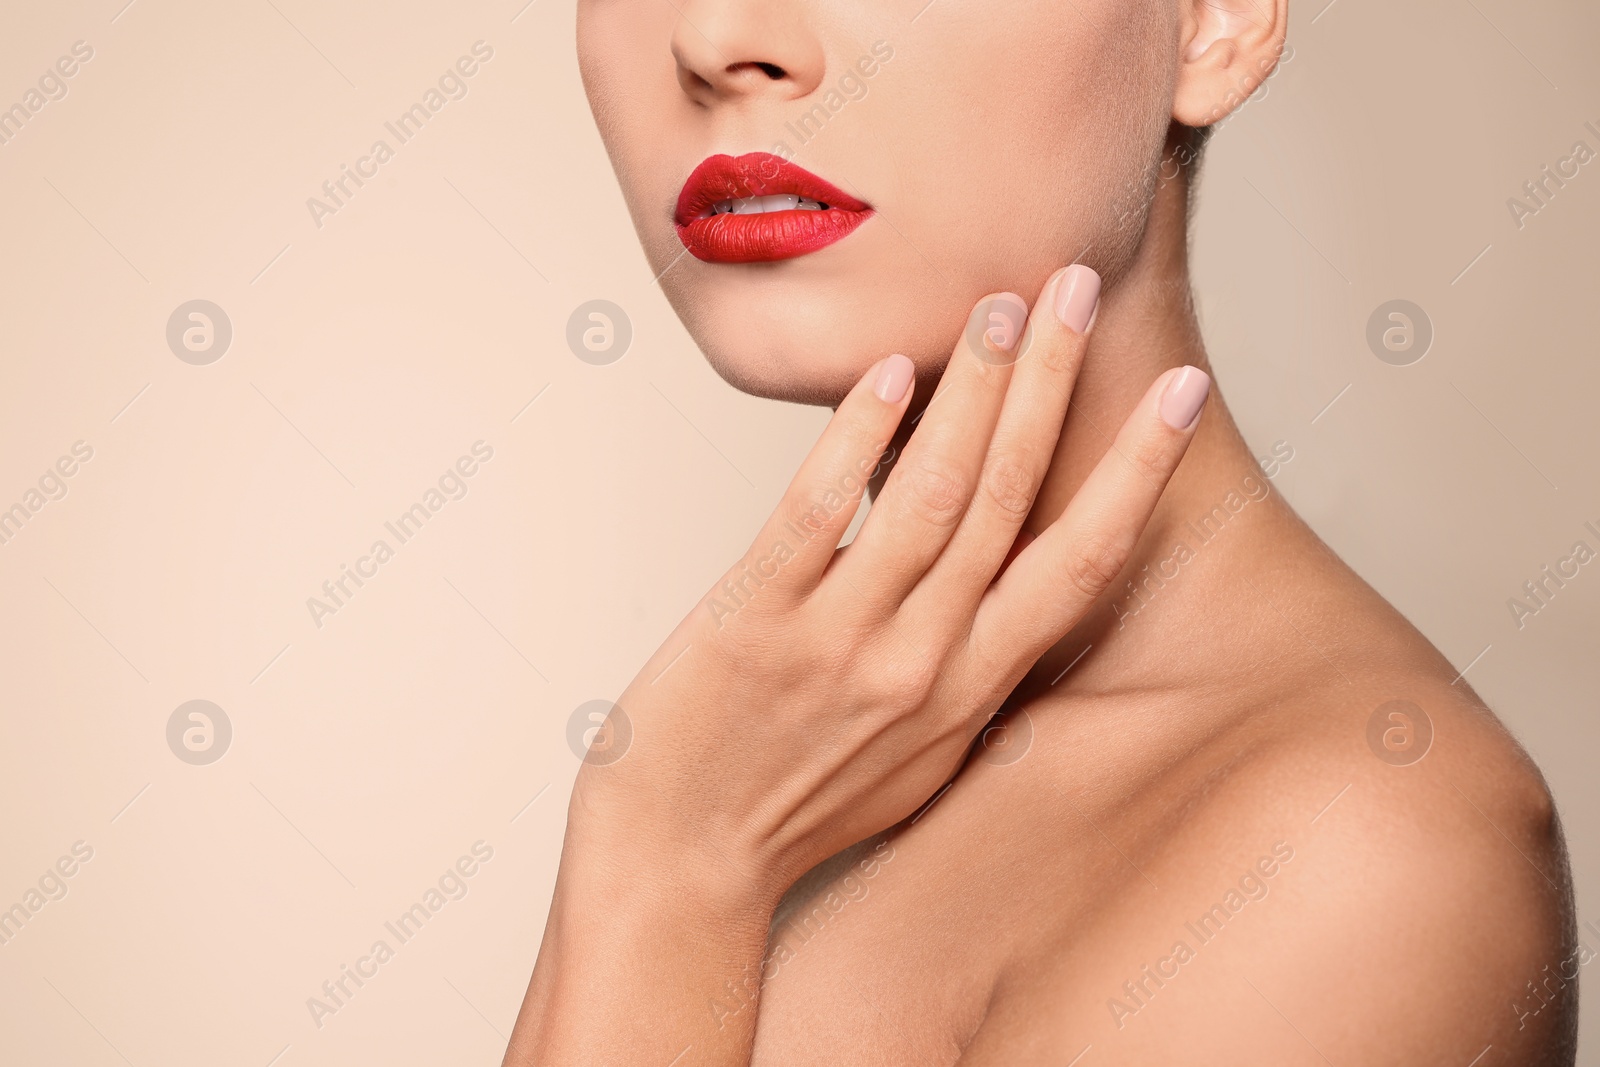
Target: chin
x=784 y=369
x=807 y=330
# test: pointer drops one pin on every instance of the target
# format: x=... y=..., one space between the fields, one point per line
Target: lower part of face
x=995 y=141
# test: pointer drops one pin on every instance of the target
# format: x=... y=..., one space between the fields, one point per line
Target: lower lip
x=769 y=236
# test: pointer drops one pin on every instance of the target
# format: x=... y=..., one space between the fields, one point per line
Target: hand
x=817 y=697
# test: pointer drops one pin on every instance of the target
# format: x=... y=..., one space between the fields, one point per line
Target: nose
x=727 y=50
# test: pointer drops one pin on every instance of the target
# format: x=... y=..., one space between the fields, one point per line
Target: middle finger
x=1022 y=448
x=931 y=486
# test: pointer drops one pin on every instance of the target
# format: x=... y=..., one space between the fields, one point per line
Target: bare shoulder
x=1431 y=909
x=1422 y=910
x=1369 y=872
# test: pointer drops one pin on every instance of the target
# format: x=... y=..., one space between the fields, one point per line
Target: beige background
x=368 y=354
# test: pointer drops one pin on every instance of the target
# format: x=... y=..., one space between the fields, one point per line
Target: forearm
x=640 y=965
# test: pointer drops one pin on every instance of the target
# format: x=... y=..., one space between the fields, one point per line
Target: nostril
x=771 y=70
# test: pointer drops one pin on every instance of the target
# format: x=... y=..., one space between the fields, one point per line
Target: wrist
x=621 y=848
x=634 y=923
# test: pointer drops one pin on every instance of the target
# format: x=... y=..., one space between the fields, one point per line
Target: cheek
x=629 y=78
x=1050 y=166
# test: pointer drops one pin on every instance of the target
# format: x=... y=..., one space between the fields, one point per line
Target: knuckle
x=935 y=492
x=1095 y=563
x=872 y=456
x=1062 y=353
x=1151 y=457
x=993 y=376
x=898 y=685
x=1008 y=481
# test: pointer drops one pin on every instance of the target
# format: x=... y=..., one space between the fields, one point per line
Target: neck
x=1219 y=517
x=1145 y=325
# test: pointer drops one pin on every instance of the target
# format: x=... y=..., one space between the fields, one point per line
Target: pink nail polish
x=1185 y=396
x=894 y=378
x=1077 y=295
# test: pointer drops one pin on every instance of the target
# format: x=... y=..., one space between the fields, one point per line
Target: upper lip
x=724 y=177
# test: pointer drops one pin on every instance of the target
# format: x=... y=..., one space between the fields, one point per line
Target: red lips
x=770 y=235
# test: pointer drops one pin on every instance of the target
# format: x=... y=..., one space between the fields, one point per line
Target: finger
x=932 y=483
x=799 y=539
x=1023 y=445
x=1058 y=577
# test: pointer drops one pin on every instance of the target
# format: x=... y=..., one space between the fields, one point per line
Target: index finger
x=795 y=546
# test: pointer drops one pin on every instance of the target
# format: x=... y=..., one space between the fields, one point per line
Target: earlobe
x=1229 y=47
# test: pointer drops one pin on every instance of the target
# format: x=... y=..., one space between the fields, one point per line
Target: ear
x=1228 y=48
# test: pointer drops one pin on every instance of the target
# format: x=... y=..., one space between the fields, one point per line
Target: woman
x=1234 y=808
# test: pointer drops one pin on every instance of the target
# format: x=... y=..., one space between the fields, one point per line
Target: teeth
x=760 y=205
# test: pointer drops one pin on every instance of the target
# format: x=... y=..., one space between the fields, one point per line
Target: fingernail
x=1077 y=295
x=894 y=379
x=1185 y=396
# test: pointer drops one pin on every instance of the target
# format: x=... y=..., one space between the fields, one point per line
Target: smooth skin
x=818 y=848
x=854 y=681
